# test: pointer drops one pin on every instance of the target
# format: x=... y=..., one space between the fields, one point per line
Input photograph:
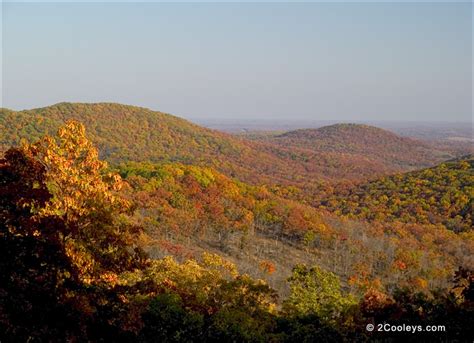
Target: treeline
x=73 y=269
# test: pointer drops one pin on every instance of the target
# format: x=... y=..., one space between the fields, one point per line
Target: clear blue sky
x=341 y=61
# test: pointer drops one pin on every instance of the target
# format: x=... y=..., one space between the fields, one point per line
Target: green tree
x=316 y=291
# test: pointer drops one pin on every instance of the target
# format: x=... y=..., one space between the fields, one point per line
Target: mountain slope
x=440 y=195
x=121 y=131
x=363 y=141
x=128 y=133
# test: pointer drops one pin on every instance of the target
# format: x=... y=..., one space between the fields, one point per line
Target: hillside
x=440 y=195
x=363 y=142
x=121 y=132
x=186 y=210
x=127 y=133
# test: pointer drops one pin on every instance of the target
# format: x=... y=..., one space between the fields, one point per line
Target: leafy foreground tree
x=64 y=237
x=71 y=270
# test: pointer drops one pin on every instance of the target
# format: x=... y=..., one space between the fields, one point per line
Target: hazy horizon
x=356 y=62
x=204 y=120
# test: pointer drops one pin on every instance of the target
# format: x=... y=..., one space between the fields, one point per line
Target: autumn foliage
x=135 y=252
x=440 y=195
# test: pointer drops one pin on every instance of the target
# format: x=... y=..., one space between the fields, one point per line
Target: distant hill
x=305 y=157
x=440 y=195
x=366 y=142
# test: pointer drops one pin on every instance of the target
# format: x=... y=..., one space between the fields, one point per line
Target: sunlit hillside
x=440 y=195
x=128 y=133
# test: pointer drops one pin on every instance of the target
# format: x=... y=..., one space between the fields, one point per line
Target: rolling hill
x=303 y=158
x=363 y=142
x=127 y=133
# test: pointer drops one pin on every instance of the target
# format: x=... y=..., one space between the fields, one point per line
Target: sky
x=284 y=61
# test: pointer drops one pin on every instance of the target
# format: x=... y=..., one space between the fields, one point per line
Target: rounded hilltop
x=364 y=140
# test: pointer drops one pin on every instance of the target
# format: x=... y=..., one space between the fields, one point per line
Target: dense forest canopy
x=193 y=235
x=186 y=201
x=440 y=195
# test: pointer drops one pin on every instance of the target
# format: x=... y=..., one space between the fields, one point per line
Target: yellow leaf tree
x=97 y=236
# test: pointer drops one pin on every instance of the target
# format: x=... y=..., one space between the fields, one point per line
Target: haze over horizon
x=270 y=61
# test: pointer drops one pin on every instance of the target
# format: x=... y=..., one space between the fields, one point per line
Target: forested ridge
x=129 y=133
x=195 y=246
x=440 y=195
x=366 y=142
